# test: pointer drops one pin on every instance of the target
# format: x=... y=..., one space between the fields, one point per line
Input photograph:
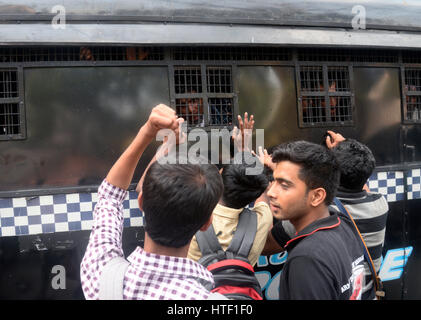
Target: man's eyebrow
x=282 y=180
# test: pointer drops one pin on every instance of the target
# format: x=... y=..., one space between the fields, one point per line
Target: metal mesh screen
x=187 y=80
x=315 y=111
x=311 y=78
x=412 y=93
x=412 y=79
x=313 y=108
x=220 y=111
x=348 y=55
x=325 y=105
x=191 y=109
x=340 y=108
x=9 y=119
x=219 y=79
x=232 y=53
x=9 y=84
x=338 y=79
x=413 y=108
x=411 y=56
x=72 y=53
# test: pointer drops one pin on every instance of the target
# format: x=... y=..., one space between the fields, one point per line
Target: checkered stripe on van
x=414 y=184
x=73 y=212
x=58 y=213
x=389 y=184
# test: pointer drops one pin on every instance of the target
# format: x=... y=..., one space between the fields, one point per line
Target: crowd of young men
x=325 y=256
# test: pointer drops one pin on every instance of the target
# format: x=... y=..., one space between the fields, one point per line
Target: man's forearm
x=139 y=186
x=121 y=174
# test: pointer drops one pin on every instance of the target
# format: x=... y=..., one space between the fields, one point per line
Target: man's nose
x=271 y=193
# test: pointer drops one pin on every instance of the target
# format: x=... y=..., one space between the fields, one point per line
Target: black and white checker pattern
x=389 y=184
x=73 y=212
x=414 y=184
x=58 y=213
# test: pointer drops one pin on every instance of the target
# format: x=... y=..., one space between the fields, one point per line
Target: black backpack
x=233 y=274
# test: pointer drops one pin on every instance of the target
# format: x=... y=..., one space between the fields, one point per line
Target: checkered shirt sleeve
x=105 y=242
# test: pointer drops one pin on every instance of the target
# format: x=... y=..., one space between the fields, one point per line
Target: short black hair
x=356 y=163
x=178 y=199
x=241 y=188
x=319 y=167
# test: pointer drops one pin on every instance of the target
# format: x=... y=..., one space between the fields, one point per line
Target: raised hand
x=162 y=117
x=333 y=139
x=242 y=136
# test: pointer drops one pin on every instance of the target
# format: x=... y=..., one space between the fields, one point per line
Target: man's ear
x=317 y=197
x=207 y=224
x=140 y=200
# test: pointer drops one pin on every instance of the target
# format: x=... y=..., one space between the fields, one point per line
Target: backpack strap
x=376 y=280
x=244 y=235
x=111 y=279
x=209 y=245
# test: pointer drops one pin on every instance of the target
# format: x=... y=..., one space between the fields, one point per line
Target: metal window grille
x=325 y=95
x=347 y=55
x=191 y=109
x=72 y=53
x=340 y=110
x=413 y=108
x=412 y=94
x=120 y=53
x=232 y=53
x=220 y=111
x=219 y=79
x=188 y=79
x=412 y=80
x=11 y=106
x=9 y=84
x=411 y=56
x=338 y=79
x=9 y=119
x=313 y=109
x=311 y=78
x=204 y=95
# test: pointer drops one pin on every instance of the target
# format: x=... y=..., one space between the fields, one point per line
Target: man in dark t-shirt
x=325 y=258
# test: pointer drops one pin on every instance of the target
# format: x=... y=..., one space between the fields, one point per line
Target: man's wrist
x=148 y=132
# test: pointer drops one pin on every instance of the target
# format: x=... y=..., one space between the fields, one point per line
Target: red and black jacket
x=325 y=261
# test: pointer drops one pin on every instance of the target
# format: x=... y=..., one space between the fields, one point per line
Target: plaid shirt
x=149 y=276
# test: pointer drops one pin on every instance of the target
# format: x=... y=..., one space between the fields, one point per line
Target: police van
x=77 y=80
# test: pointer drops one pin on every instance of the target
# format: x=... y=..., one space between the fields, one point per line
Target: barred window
x=204 y=95
x=191 y=109
x=325 y=95
x=220 y=111
x=74 y=53
x=11 y=106
x=232 y=53
x=412 y=95
x=219 y=79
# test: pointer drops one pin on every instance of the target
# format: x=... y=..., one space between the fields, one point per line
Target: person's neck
x=315 y=214
x=151 y=246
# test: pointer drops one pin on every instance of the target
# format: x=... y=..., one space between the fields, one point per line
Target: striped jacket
x=369 y=211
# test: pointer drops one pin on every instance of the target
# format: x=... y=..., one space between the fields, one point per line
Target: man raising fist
x=177 y=200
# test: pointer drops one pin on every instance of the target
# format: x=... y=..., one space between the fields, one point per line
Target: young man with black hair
x=177 y=201
x=369 y=210
x=240 y=190
x=325 y=257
